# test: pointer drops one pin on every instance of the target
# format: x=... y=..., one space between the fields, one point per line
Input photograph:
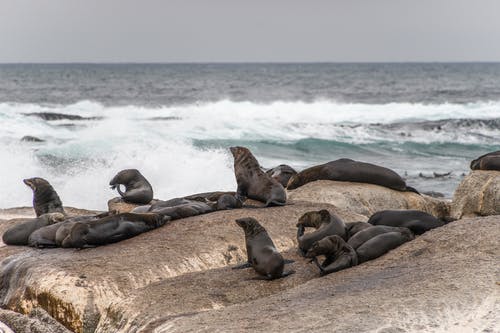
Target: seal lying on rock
x=137 y=188
x=353 y=228
x=262 y=254
x=253 y=182
x=20 y=233
x=417 y=221
x=112 y=229
x=490 y=161
x=184 y=209
x=326 y=224
x=282 y=173
x=366 y=234
x=350 y=171
x=45 y=198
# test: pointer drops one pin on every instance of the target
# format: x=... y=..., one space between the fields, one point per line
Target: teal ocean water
x=176 y=122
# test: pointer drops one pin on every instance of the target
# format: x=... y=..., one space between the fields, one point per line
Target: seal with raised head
x=137 y=188
x=45 y=198
x=282 y=173
x=261 y=252
x=338 y=254
x=349 y=170
x=20 y=233
x=111 y=229
x=490 y=161
x=415 y=220
x=325 y=223
x=253 y=182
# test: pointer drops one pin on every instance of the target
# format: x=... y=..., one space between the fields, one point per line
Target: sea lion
x=20 y=233
x=112 y=229
x=338 y=254
x=349 y=170
x=253 y=182
x=261 y=252
x=353 y=228
x=326 y=224
x=137 y=188
x=417 y=221
x=45 y=198
x=282 y=173
x=490 y=161
x=366 y=234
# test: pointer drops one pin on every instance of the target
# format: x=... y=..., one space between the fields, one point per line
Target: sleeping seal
x=490 y=161
x=282 y=173
x=45 y=198
x=20 y=233
x=253 y=182
x=137 y=188
x=261 y=252
x=417 y=221
x=349 y=170
x=326 y=224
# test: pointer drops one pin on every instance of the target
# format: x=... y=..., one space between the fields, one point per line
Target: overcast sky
x=249 y=31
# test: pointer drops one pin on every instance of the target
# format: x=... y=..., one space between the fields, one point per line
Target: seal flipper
x=411 y=189
x=270 y=203
x=242 y=266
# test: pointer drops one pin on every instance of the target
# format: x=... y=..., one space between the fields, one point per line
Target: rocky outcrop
x=366 y=199
x=477 y=195
x=38 y=321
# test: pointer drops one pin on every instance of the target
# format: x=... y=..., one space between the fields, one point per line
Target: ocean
x=175 y=122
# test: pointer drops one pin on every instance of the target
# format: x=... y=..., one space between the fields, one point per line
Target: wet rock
x=29 y=138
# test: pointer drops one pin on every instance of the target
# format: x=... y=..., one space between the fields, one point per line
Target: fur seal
x=364 y=235
x=137 y=188
x=253 y=182
x=381 y=244
x=349 y=170
x=223 y=200
x=261 y=252
x=326 y=224
x=185 y=209
x=353 y=228
x=20 y=233
x=111 y=229
x=417 y=221
x=45 y=198
x=490 y=161
x=338 y=254
x=282 y=173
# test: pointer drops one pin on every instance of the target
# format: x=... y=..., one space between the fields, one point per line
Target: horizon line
x=241 y=62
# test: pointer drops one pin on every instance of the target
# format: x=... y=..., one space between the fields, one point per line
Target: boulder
x=366 y=199
x=477 y=195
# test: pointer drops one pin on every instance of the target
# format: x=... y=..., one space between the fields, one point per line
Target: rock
x=38 y=321
x=366 y=199
x=477 y=195
x=118 y=205
x=29 y=138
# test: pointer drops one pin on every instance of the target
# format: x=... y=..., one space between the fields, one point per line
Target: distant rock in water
x=434 y=194
x=29 y=138
x=58 y=116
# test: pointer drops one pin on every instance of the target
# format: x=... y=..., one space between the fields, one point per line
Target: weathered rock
x=477 y=195
x=366 y=199
x=38 y=321
x=118 y=205
x=78 y=286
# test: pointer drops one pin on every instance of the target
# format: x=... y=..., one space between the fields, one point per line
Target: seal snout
x=29 y=182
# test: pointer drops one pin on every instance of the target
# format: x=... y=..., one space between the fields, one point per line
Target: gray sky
x=248 y=31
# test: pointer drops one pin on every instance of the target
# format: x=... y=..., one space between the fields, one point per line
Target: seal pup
x=326 y=224
x=253 y=182
x=338 y=254
x=349 y=170
x=282 y=173
x=20 y=233
x=490 y=161
x=111 y=229
x=415 y=220
x=261 y=252
x=45 y=198
x=137 y=188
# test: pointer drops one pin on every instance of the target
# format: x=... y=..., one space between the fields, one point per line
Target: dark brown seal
x=381 y=244
x=261 y=252
x=353 y=228
x=45 y=198
x=366 y=234
x=253 y=182
x=282 y=173
x=111 y=229
x=490 y=161
x=417 y=221
x=338 y=254
x=137 y=188
x=20 y=233
x=184 y=208
x=350 y=171
x=325 y=223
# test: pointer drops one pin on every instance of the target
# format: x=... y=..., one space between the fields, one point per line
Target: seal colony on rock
x=137 y=188
x=261 y=252
x=20 y=233
x=415 y=220
x=326 y=224
x=490 y=161
x=45 y=198
x=253 y=182
x=349 y=170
